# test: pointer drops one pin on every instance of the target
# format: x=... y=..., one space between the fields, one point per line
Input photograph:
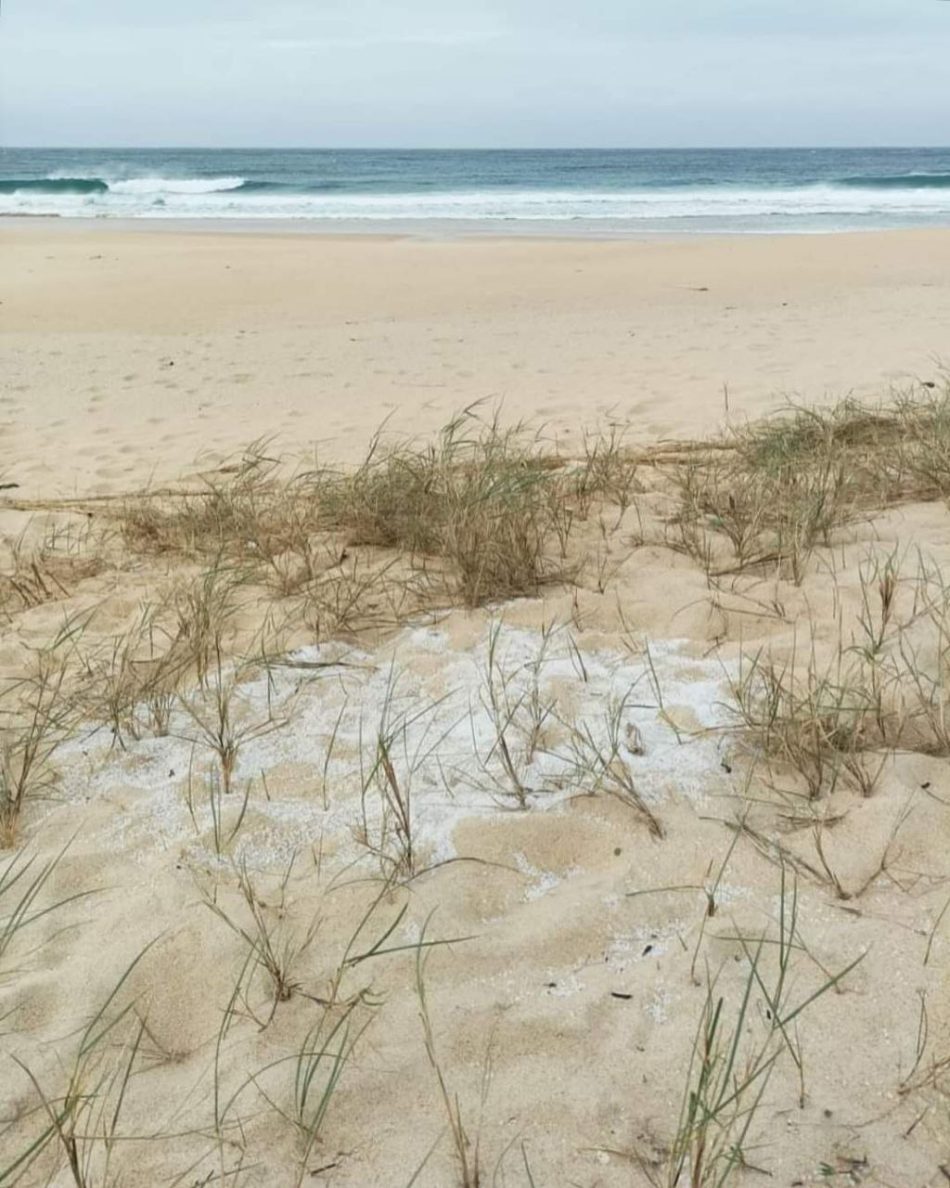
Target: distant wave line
x=900 y=181
x=237 y=197
x=143 y=186
x=158 y=188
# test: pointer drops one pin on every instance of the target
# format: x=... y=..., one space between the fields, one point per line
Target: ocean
x=623 y=190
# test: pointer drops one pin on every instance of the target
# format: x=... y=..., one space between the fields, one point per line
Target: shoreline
x=583 y=230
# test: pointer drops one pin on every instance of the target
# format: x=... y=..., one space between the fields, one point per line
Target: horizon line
x=407 y=148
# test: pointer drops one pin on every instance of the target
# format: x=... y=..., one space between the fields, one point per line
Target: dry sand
x=564 y=1020
x=139 y=350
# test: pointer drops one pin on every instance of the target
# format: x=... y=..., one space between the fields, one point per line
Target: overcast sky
x=474 y=72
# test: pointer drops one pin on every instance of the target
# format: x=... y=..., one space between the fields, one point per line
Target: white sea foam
x=813 y=207
x=152 y=186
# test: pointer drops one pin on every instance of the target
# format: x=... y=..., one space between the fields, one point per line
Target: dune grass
x=479 y=515
x=482 y=513
x=36 y=716
x=478 y=501
x=777 y=489
x=831 y=712
x=735 y=1052
x=80 y=1119
x=25 y=899
x=48 y=567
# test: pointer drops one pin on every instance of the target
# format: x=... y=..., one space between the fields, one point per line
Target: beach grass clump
x=920 y=445
x=274 y=945
x=894 y=451
x=361 y=592
x=478 y=500
x=803 y=438
x=247 y=518
x=220 y=719
x=131 y=682
x=779 y=488
x=518 y=710
x=773 y=506
x=607 y=471
x=598 y=751
x=48 y=570
x=814 y=720
x=836 y=717
x=478 y=508
x=235 y=506
x=389 y=500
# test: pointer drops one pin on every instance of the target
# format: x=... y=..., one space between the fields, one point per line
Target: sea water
x=672 y=191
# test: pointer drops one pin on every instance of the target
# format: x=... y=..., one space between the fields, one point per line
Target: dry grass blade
x=401 y=744
x=274 y=945
x=49 y=570
x=733 y=1057
x=467 y=1154
x=22 y=884
x=220 y=717
x=34 y=729
x=133 y=684
x=599 y=757
x=82 y=1120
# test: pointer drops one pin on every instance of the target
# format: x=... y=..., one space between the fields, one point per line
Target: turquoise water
x=739 y=190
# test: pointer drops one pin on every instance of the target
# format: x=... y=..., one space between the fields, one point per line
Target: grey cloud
x=443 y=72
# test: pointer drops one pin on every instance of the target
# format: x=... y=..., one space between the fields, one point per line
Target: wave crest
x=55 y=185
x=156 y=187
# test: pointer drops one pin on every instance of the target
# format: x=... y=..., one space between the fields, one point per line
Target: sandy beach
x=126 y=354
x=512 y=810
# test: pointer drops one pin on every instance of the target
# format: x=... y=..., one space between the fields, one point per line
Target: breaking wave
x=858 y=200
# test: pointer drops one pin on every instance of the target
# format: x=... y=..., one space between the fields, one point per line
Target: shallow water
x=718 y=190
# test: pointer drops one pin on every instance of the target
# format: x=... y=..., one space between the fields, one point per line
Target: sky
x=474 y=73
